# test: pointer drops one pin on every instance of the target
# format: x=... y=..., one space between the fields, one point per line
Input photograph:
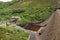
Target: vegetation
x=27 y=10
x=11 y=33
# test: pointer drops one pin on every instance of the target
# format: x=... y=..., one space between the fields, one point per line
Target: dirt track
x=52 y=30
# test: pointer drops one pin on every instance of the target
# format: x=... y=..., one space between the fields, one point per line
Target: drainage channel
x=32 y=29
x=32 y=33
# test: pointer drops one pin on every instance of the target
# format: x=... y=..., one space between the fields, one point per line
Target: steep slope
x=33 y=3
x=29 y=10
x=51 y=31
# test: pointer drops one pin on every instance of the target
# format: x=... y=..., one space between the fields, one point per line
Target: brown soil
x=32 y=27
x=52 y=30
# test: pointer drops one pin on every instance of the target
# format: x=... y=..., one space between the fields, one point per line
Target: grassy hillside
x=11 y=33
x=28 y=10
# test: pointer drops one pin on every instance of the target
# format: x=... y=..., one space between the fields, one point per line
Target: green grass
x=28 y=14
x=11 y=33
x=28 y=10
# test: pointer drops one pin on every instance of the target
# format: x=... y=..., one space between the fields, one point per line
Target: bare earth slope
x=52 y=30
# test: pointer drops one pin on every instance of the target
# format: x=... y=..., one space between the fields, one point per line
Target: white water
x=5 y=0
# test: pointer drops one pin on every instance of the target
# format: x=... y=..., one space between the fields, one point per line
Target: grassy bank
x=11 y=33
x=27 y=10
